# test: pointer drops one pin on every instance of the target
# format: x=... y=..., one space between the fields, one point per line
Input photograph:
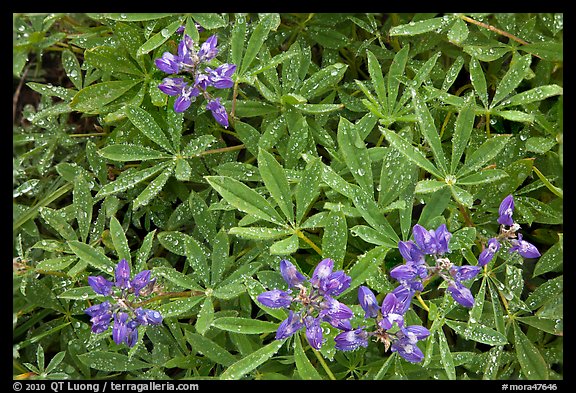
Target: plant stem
x=222 y=150
x=324 y=365
x=302 y=236
x=421 y=301
x=494 y=29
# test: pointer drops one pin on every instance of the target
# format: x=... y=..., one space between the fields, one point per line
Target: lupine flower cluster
x=389 y=325
x=194 y=76
x=416 y=270
x=123 y=291
x=314 y=303
x=508 y=229
x=313 y=299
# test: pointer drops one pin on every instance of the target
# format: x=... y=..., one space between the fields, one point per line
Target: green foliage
x=345 y=131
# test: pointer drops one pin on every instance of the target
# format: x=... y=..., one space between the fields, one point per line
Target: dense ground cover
x=288 y=196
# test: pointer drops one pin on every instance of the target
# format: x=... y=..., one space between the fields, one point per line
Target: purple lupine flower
x=321 y=272
x=168 y=63
x=122 y=274
x=351 y=340
x=146 y=316
x=275 y=298
x=465 y=272
x=488 y=253
x=186 y=52
x=140 y=281
x=183 y=101
x=461 y=294
x=506 y=210
x=101 y=315
x=119 y=330
x=432 y=241
x=100 y=285
x=410 y=252
x=208 y=49
x=333 y=310
x=218 y=111
x=405 y=345
x=202 y=81
x=290 y=273
x=289 y=326
x=392 y=310
x=221 y=77
x=172 y=86
x=524 y=248
x=368 y=302
x=313 y=332
x=131 y=333
x=335 y=283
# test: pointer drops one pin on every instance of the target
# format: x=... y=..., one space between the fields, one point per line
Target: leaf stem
x=422 y=303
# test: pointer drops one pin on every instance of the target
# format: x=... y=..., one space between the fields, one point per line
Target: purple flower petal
x=506 y=210
x=290 y=273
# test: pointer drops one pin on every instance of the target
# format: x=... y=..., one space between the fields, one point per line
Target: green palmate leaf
x=55 y=264
x=153 y=188
x=182 y=170
x=393 y=82
x=478 y=332
x=305 y=368
x=159 y=38
x=83 y=203
x=52 y=91
x=485 y=176
x=209 y=21
x=148 y=126
x=335 y=237
x=421 y=27
x=203 y=217
x=238 y=37
x=119 y=240
x=413 y=154
x=210 y=349
x=244 y=198
x=93 y=98
x=205 y=316
x=540 y=145
x=266 y=23
x=220 y=258
x=322 y=81
x=452 y=73
x=259 y=233
x=462 y=196
x=458 y=32
x=428 y=130
x=144 y=251
x=375 y=72
x=538 y=93
x=183 y=280
x=551 y=259
x=276 y=182
x=553 y=326
x=366 y=265
x=531 y=361
x=496 y=308
x=446 y=355
x=130 y=180
x=478 y=81
x=547 y=50
x=518 y=116
x=92 y=256
x=198 y=145
x=370 y=235
x=490 y=52
x=244 y=325
x=355 y=155
x=72 y=68
x=308 y=189
x=373 y=215
x=317 y=109
x=112 y=361
x=129 y=152
x=462 y=132
x=511 y=79
x=427 y=186
x=109 y=59
x=285 y=246
x=178 y=307
x=80 y=293
x=481 y=156
x=252 y=361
